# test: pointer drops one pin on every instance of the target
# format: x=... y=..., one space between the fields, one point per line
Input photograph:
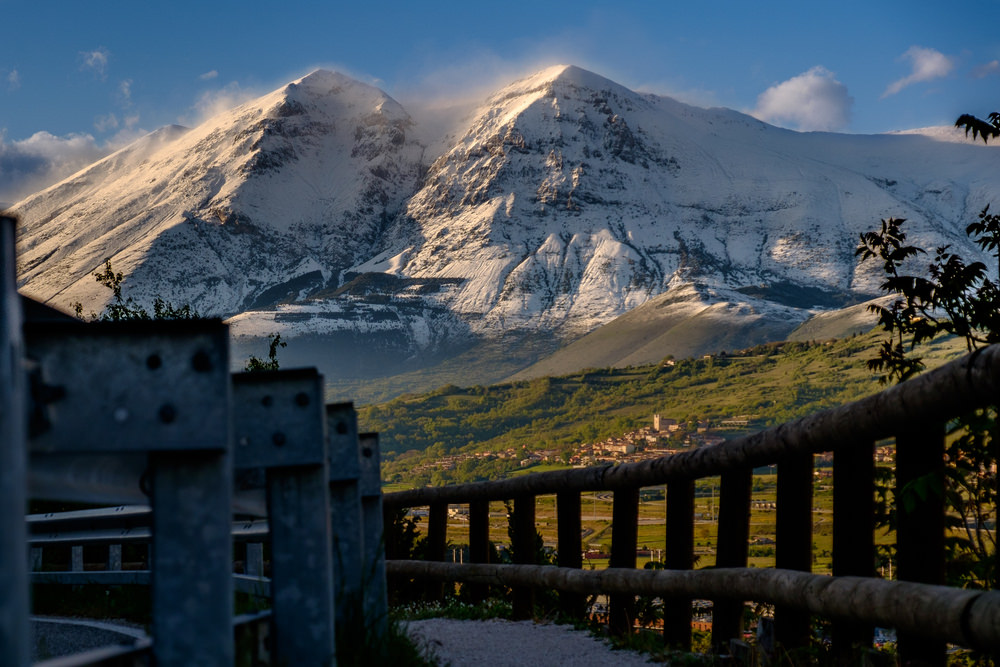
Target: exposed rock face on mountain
x=567 y=202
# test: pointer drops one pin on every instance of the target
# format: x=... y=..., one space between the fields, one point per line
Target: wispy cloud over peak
x=214 y=102
x=96 y=61
x=208 y=76
x=13 y=80
x=125 y=92
x=987 y=69
x=106 y=123
x=926 y=65
x=811 y=101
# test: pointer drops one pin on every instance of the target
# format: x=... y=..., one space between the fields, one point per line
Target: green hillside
x=769 y=383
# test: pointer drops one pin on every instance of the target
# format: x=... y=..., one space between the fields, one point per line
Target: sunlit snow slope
x=566 y=202
x=260 y=204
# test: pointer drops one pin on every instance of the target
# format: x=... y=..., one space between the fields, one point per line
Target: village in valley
x=663 y=437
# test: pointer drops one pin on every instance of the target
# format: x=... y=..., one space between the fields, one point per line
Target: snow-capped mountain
x=571 y=200
x=566 y=201
x=261 y=204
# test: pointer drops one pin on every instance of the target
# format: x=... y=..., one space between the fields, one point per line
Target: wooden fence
x=926 y=613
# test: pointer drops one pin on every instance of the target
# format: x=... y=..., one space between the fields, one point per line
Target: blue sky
x=78 y=79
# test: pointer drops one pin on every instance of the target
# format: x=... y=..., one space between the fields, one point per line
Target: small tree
x=126 y=309
x=255 y=364
x=987 y=129
x=958 y=298
x=123 y=309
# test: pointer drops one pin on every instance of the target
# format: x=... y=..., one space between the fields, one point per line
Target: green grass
x=542 y=467
x=773 y=384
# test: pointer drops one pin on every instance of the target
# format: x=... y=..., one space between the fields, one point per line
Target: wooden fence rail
x=914 y=413
x=961 y=616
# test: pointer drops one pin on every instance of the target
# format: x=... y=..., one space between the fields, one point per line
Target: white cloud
x=13 y=80
x=926 y=64
x=813 y=100
x=125 y=92
x=208 y=76
x=214 y=102
x=96 y=61
x=986 y=69
x=696 y=96
x=42 y=159
x=105 y=123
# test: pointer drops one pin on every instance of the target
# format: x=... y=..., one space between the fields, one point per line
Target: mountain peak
x=324 y=77
x=323 y=84
x=559 y=76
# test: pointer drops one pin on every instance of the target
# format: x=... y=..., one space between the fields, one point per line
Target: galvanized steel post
x=347 y=530
x=191 y=561
x=281 y=427
x=14 y=635
x=376 y=604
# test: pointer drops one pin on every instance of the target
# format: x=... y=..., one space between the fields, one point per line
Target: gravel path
x=502 y=643
x=55 y=636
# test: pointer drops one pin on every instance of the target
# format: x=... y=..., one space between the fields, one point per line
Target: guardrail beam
x=119 y=387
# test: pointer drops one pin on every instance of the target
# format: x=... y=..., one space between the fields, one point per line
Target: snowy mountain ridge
x=272 y=198
x=567 y=202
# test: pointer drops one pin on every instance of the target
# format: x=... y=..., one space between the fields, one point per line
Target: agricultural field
x=596 y=514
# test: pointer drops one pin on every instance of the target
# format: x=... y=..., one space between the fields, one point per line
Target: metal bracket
x=161 y=386
x=278 y=419
x=342 y=423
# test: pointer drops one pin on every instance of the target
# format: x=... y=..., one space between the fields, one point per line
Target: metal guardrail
x=147 y=412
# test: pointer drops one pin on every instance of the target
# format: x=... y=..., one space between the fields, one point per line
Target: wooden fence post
x=731 y=551
x=479 y=542
x=920 y=525
x=793 y=532
x=853 y=537
x=14 y=631
x=524 y=553
x=570 y=548
x=679 y=556
x=437 y=541
x=624 y=536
